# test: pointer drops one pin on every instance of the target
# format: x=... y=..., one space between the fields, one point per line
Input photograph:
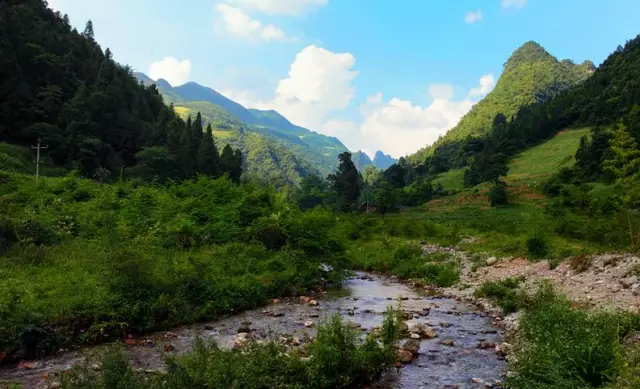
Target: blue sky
x=378 y=74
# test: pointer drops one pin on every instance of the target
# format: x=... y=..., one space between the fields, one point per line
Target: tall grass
x=562 y=347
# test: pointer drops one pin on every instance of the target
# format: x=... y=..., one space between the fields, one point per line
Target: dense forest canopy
x=58 y=85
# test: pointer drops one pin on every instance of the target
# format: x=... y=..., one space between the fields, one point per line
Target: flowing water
x=362 y=301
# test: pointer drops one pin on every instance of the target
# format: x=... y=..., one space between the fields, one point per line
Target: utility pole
x=38 y=148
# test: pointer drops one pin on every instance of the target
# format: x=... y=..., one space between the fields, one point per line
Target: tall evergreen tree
x=625 y=161
x=227 y=160
x=236 y=173
x=208 y=158
x=346 y=183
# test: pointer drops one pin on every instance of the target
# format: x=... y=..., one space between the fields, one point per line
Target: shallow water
x=362 y=300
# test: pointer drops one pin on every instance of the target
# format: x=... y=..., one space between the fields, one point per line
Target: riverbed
x=453 y=359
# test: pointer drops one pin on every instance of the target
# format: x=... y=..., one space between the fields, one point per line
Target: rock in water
x=412 y=345
x=404 y=356
x=429 y=334
x=313 y=303
x=308 y=323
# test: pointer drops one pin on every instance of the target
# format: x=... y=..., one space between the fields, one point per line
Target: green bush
x=505 y=293
x=498 y=194
x=565 y=347
x=537 y=246
x=339 y=359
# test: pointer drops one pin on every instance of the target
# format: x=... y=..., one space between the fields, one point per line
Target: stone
x=445 y=325
x=404 y=356
x=168 y=348
x=55 y=385
x=490 y=261
x=309 y=323
x=485 y=345
x=414 y=335
x=479 y=381
x=295 y=341
x=276 y=301
x=447 y=342
x=305 y=299
x=629 y=281
x=313 y=303
x=412 y=345
x=429 y=334
x=404 y=328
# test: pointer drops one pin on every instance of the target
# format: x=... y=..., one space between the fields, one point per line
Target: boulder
x=412 y=345
x=490 y=261
x=404 y=356
x=429 y=334
x=629 y=281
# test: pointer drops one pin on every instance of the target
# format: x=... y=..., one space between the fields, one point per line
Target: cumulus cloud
x=236 y=22
x=440 y=91
x=487 y=82
x=174 y=71
x=400 y=127
x=279 y=7
x=513 y=3
x=473 y=16
x=318 y=83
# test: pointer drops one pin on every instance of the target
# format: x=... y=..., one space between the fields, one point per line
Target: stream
x=459 y=363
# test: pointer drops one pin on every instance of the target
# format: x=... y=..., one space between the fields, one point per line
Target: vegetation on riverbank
x=337 y=358
x=560 y=346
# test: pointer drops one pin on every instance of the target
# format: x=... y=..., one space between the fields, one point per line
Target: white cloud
x=487 y=82
x=440 y=91
x=513 y=3
x=319 y=83
x=473 y=16
x=400 y=127
x=236 y=22
x=279 y=7
x=174 y=71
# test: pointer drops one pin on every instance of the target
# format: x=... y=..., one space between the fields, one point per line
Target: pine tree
x=236 y=173
x=88 y=31
x=227 y=160
x=346 y=183
x=208 y=158
x=197 y=132
x=625 y=161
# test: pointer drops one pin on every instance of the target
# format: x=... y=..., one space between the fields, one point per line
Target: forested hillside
x=59 y=86
x=531 y=75
x=316 y=152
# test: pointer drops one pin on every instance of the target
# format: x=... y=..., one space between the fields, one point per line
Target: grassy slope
x=504 y=230
x=532 y=166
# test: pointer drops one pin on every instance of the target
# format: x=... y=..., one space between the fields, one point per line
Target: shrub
x=565 y=347
x=339 y=359
x=537 y=246
x=498 y=194
x=505 y=293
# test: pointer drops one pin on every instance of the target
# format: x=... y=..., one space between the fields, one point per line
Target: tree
x=236 y=173
x=313 y=192
x=625 y=161
x=208 y=158
x=346 y=183
x=385 y=197
x=88 y=31
x=395 y=175
x=227 y=160
x=498 y=193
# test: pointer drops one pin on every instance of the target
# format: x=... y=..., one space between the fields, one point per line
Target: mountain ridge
x=530 y=75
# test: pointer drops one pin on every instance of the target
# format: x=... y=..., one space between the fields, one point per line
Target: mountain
x=361 y=160
x=382 y=160
x=531 y=75
x=320 y=151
